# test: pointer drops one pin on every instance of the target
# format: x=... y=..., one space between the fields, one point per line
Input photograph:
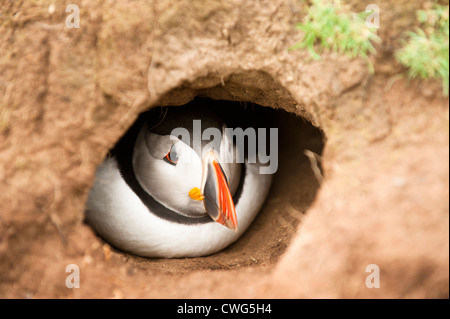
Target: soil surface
x=377 y=195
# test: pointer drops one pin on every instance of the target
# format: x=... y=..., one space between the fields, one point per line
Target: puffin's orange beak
x=216 y=194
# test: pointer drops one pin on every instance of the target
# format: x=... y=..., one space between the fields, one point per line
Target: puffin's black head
x=180 y=159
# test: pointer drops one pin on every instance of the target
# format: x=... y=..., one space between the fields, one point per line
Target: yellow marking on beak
x=196 y=194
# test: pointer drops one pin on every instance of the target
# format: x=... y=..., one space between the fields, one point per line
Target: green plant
x=426 y=51
x=334 y=28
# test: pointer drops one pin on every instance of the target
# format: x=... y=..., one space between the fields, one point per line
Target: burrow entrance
x=294 y=187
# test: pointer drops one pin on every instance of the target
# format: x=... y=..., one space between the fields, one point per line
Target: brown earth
x=67 y=95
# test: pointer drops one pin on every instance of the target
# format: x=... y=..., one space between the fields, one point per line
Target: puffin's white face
x=176 y=176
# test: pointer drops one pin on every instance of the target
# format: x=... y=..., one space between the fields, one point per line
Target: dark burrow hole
x=293 y=190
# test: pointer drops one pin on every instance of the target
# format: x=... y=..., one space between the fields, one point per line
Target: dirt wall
x=68 y=94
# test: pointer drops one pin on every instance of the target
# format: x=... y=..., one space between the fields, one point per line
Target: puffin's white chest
x=119 y=216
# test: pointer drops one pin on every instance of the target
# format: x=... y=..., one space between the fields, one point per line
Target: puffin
x=162 y=194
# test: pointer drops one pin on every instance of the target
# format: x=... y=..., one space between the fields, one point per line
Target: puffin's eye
x=171 y=157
